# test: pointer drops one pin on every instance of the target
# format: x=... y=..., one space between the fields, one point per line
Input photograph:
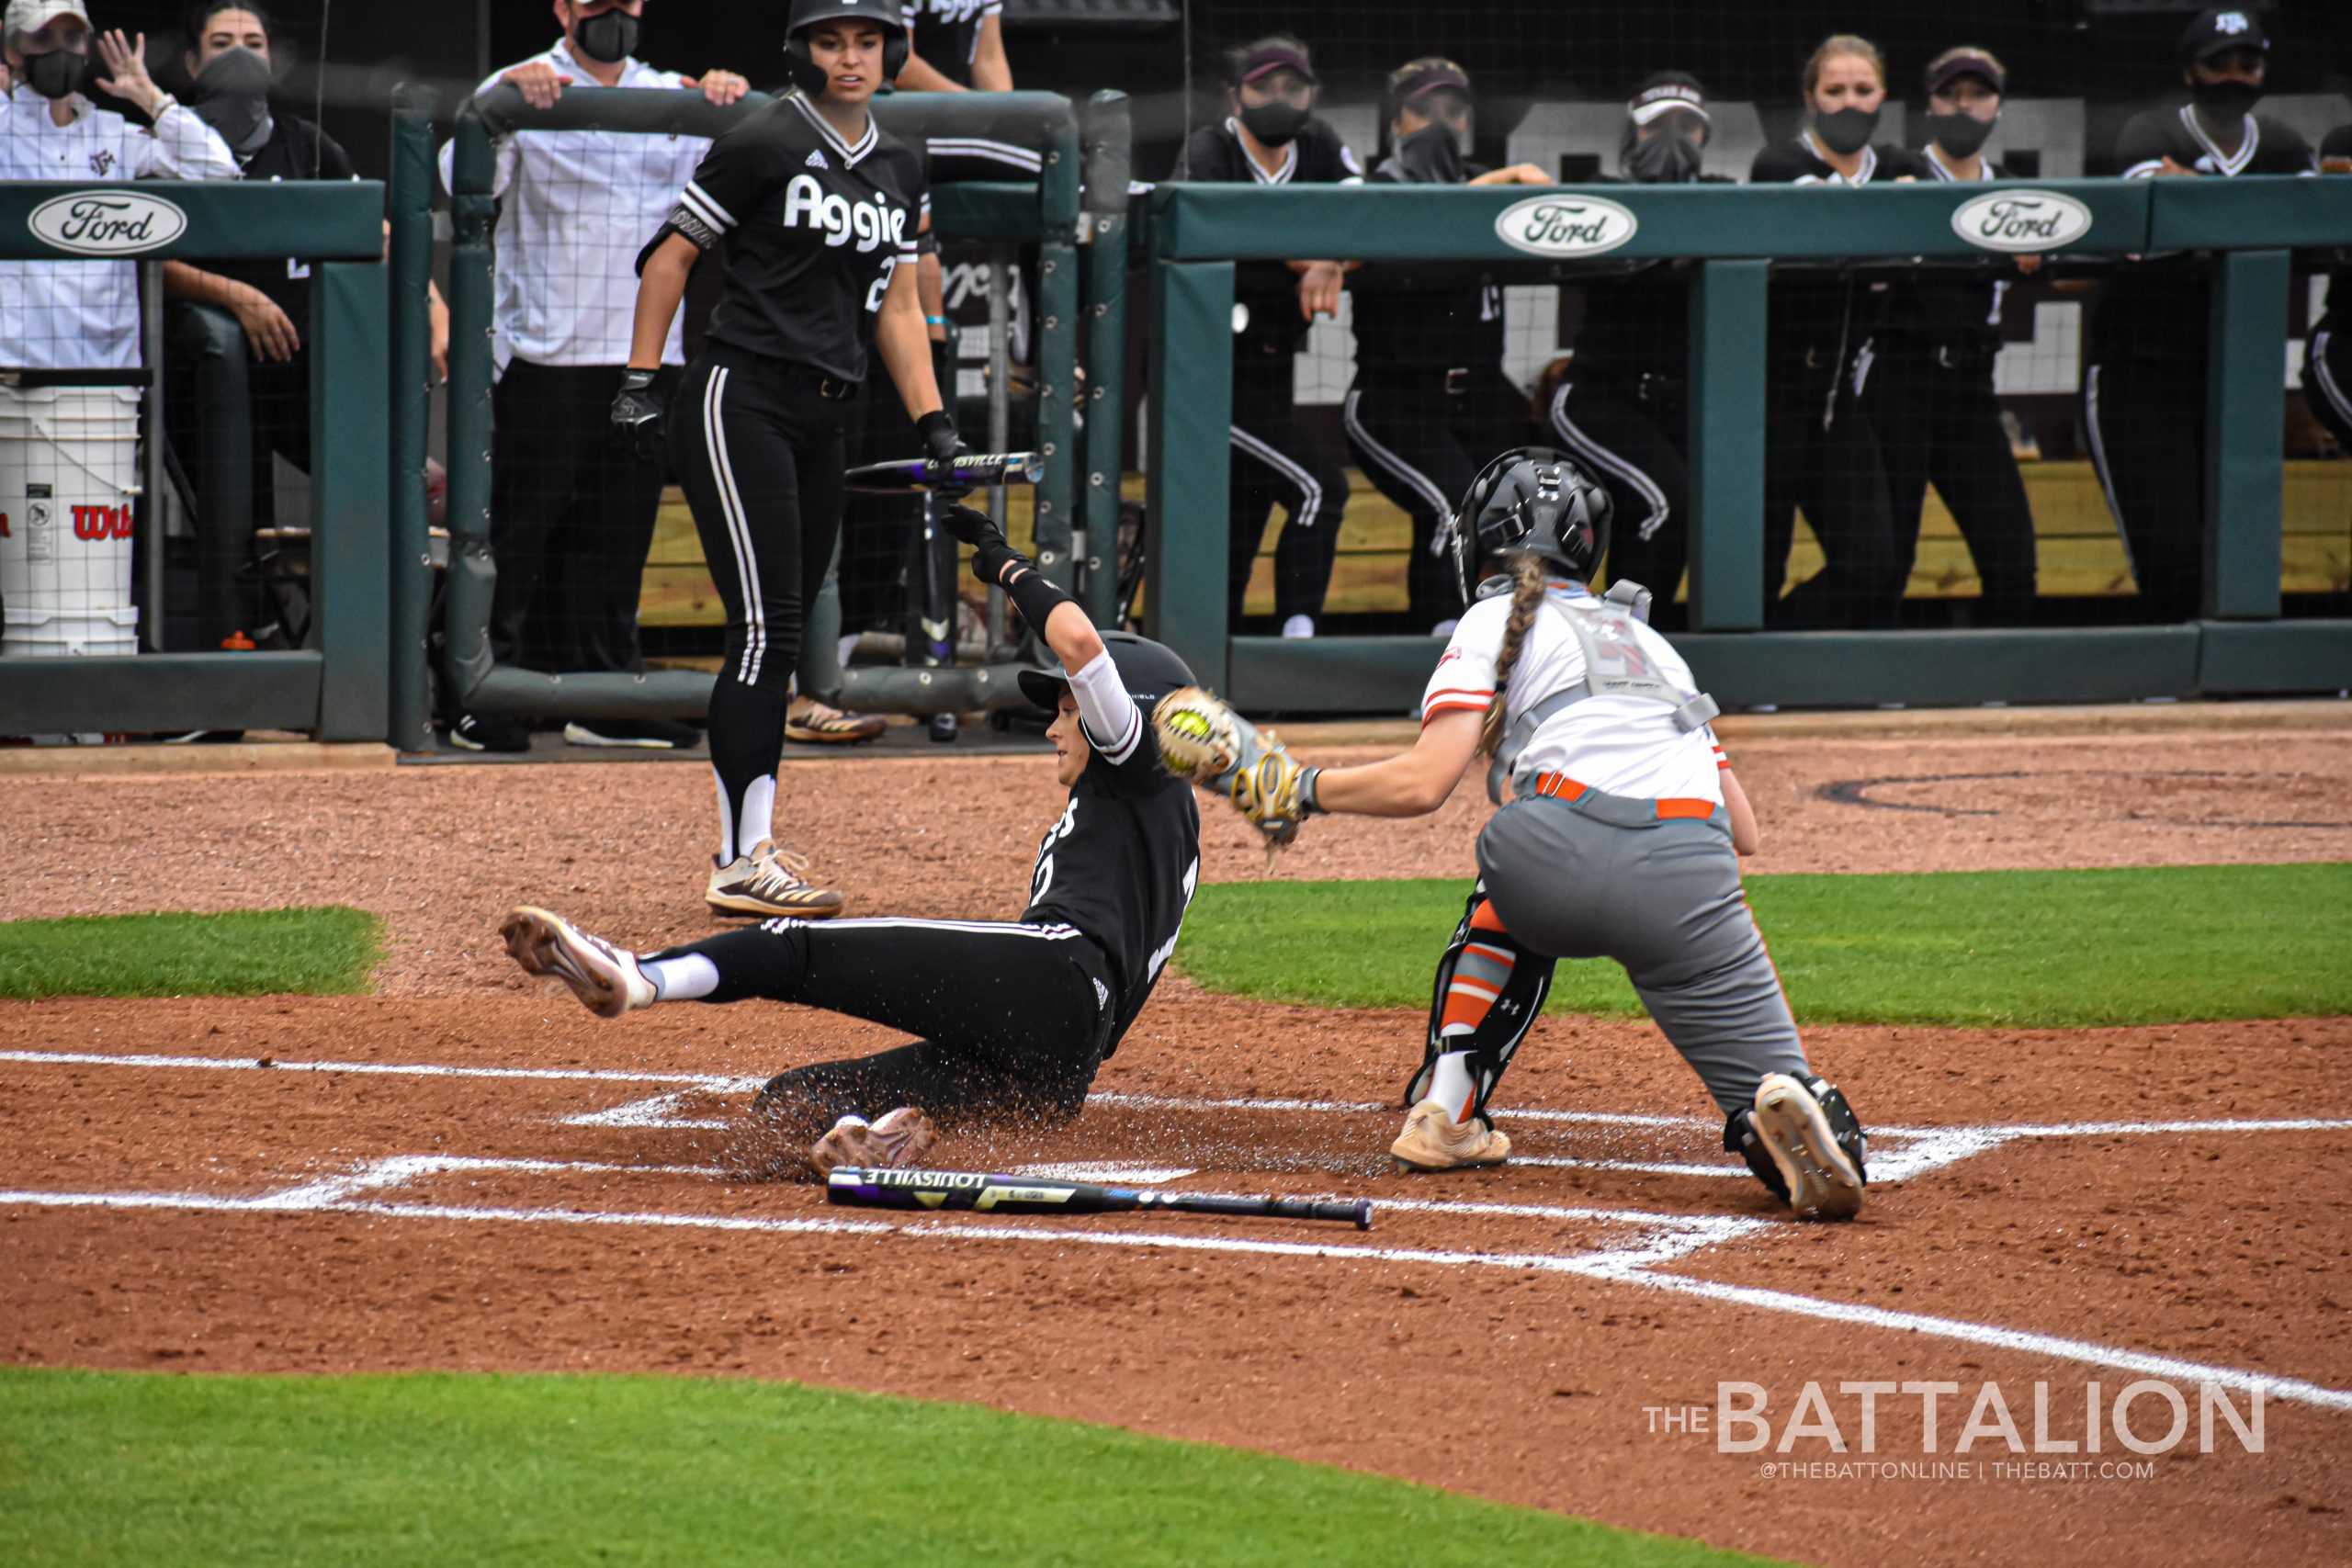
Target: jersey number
x=881 y=286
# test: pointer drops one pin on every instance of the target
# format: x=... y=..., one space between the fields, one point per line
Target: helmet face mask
x=1529 y=501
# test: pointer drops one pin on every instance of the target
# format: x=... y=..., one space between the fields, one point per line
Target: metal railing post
x=410 y=557
x=1108 y=146
x=473 y=575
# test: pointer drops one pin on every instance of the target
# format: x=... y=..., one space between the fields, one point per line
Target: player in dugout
x=1015 y=1016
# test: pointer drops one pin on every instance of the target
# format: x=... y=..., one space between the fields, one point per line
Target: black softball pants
x=2145 y=420
x=1822 y=454
x=572 y=515
x=1938 y=423
x=1635 y=443
x=1420 y=435
x=757 y=446
x=2327 y=376
x=1015 y=1018
x=1275 y=459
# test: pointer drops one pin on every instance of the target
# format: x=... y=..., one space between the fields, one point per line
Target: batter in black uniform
x=818 y=213
x=1431 y=403
x=1016 y=1015
x=2144 y=383
x=2327 y=364
x=1929 y=394
x=1821 y=453
x=1270 y=137
x=1619 y=402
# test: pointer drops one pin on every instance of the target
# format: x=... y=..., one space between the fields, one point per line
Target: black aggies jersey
x=1121 y=864
x=947 y=33
x=812 y=227
x=1266 y=291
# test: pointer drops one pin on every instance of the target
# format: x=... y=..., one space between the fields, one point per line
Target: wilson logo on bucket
x=2022 y=220
x=113 y=222
x=1564 y=226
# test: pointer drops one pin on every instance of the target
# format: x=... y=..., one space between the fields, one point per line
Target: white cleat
x=1822 y=1180
x=609 y=981
x=893 y=1141
x=1433 y=1140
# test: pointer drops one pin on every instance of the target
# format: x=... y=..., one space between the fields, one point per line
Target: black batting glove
x=975 y=528
x=637 y=416
x=940 y=444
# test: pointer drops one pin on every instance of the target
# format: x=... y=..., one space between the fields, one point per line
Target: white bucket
x=69 y=465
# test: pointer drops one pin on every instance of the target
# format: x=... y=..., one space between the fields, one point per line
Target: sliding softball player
x=1619 y=837
x=1015 y=1016
x=818 y=213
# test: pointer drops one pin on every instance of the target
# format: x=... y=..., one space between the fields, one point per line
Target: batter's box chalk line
x=1647 y=1241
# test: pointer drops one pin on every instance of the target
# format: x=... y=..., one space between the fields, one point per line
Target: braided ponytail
x=1526 y=598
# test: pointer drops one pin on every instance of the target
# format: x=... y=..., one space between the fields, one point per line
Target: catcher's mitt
x=1202 y=739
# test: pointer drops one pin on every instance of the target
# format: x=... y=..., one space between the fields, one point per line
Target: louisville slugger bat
x=935 y=616
x=973 y=470
x=1034 y=1195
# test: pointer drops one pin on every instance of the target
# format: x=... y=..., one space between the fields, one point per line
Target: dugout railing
x=1072 y=535
x=335 y=686
x=1196 y=234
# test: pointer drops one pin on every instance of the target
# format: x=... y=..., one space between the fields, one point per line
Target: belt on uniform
x=1457 y=380
x=831 y=389
x=1665 y=808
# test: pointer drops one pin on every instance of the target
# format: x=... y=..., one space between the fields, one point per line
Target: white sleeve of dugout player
x=1105 y=709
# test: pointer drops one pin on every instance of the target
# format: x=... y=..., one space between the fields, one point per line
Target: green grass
x=151 y=1469
x=2061 y=949
x=246 y=953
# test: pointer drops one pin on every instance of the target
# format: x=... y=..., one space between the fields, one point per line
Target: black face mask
x=1667 y=160
x=233 y=98
x=1431 y=156
x=1959 y=134
x=607 y=38
x=58 y=74
x=2223 y=101
x=1845 y=130
x=1274 y=124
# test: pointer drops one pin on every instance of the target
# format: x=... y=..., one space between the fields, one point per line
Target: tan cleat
x=769 y=883
x=893 y=1141
x=1433 y=1140
x=609 y=981
x=811 y=722
x=1822 y=1182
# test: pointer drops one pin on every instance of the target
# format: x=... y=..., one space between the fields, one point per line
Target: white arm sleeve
x=1105 y=709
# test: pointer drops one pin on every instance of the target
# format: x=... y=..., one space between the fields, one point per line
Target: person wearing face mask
x=1821 y=453
x=1431 y=402
x=230 y=62
x=1929 y=396
x=2327 y=364
x=1269 y=137
x=1616 y=400
x=572 y=513
x=2143 y=378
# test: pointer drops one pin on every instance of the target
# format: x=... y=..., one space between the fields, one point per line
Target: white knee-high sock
x=741 y=825
x=687 y=977
x=1452 y=1086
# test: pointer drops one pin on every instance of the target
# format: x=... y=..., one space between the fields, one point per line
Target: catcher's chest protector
x=1615 y=665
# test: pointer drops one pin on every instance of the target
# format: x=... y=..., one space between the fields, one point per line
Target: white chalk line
x=1632 y=1266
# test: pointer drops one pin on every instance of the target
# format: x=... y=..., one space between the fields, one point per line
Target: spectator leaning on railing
x=571 y=511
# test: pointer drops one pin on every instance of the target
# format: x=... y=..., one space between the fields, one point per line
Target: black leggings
x=1938 y=423
x=1836 y=475
x=1275 y=458
x=1015 y=1018
x=2327 y=367
x=1634 y=444
x=758 y=450
x=2146 y=424
x=1421 y=435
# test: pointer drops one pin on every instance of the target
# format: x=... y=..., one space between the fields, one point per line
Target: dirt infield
x=465 y=1171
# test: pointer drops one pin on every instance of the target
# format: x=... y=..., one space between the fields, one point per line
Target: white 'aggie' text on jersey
x=1621 y=745
x=84 y=315
x=574 y=208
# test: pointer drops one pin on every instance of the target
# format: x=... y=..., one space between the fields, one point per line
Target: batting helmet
x=1149 y=669
x=889 y=15
x=1529 y=501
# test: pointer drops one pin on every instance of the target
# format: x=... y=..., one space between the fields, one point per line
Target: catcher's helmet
x=1534 y=500
x=807 y=74
x=1149 y=669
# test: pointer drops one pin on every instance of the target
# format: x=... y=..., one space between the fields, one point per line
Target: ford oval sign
x=1565 y=225
x=113 y=222
x=2020 y=220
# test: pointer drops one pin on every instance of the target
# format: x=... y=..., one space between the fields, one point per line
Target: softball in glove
x=1202 y=739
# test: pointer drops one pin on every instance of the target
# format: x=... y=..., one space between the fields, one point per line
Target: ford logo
x=2020 y=220
x=116 y=221
x=1565 y=225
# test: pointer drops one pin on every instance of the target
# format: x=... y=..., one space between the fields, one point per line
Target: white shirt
x=84 y=315
x=1621 y=745
x=575 y=208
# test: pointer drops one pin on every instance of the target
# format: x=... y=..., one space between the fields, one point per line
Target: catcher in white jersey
x=1621 y=838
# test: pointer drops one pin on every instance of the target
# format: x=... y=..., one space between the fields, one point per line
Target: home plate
x=1125 y=1173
